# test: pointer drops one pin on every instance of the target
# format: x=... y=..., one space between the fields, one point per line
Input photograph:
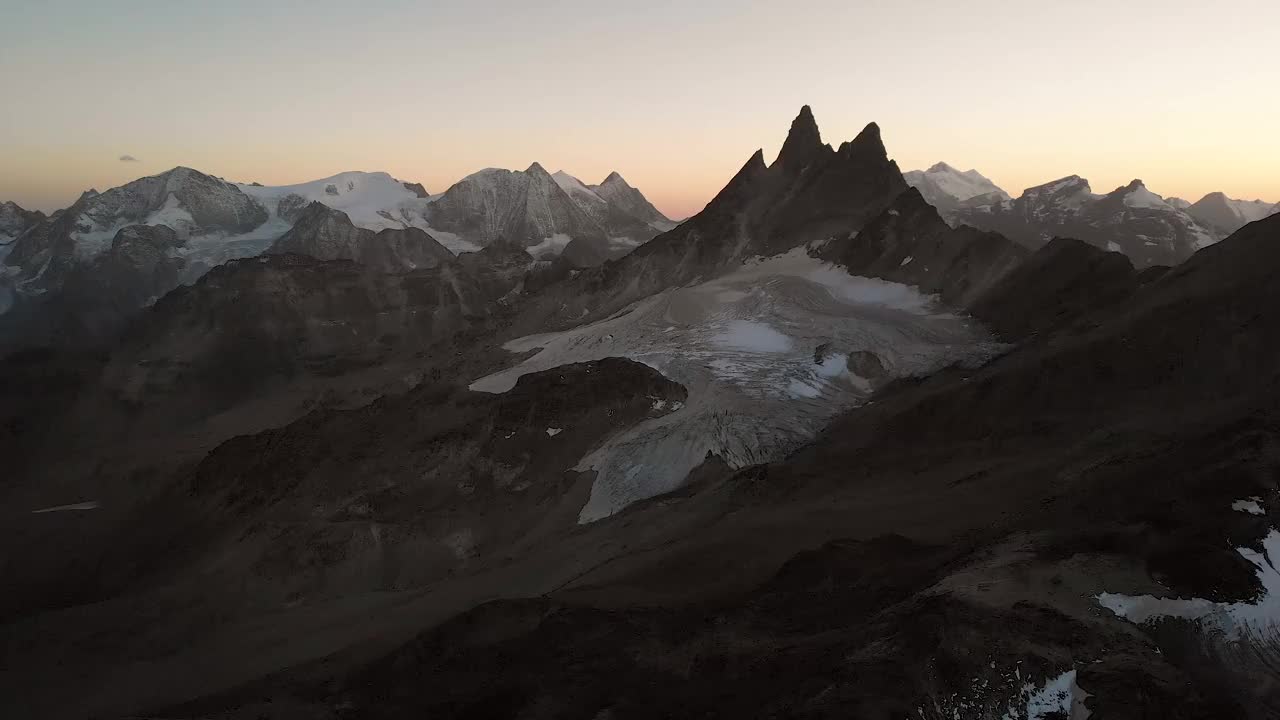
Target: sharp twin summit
x=848 y=442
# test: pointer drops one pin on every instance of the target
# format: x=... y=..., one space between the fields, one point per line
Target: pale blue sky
x=675 y=96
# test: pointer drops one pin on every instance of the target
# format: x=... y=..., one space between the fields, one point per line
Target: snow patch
x=1141 y=197
x=552 y=432
x=1252 y=505
x=1262 y=614
x=753 y=337
x=373 y=200
x=1057 y=695
x=174 y=215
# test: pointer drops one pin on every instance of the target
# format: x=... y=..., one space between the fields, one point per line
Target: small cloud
x=128 y=158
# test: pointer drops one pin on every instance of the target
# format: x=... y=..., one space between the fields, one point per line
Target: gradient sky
x=674 y=95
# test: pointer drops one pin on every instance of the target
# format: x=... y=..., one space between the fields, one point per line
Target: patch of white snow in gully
x=1261 y=616
x=745 y=345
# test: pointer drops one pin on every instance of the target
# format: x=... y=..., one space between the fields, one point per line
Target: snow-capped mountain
x=1226 y=215
x=188 y=201
x=527 y=208
x=212 y=220
x=622 y=196
x=547 y=214
x=945 y=187
x=622 y=211
x=371 y=200
x=1130 y=219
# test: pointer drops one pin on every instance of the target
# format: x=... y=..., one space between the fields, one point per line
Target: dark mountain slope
x=910 y=243
x=1105 y=459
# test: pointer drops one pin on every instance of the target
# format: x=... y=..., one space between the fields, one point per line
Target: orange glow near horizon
x=674 y=98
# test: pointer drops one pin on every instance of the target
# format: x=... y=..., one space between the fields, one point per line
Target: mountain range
x=824 y=449
x=380 y=220
x=1149 y=229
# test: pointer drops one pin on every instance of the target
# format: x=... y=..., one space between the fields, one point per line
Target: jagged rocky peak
x=614 y=179
x=803 y=144
x=868 y=143
x=742 y=183
x=616 y=191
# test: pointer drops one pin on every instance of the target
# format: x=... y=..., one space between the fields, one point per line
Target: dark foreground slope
x=934 y=553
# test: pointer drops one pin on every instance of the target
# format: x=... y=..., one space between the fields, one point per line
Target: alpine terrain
x=847 y=442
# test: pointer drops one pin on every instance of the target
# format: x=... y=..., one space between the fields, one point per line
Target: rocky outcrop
x=416 y=189
x=327 y=234
x=910 y=243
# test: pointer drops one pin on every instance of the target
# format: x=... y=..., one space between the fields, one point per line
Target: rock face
x=946 y=188
x=98 y=297
x=528 y=208
x=625 y=215
x=630 y=201
x=327 y=234
x=1225 y=215
x=416 y=189
x=256 y=321
x=1131 y=219
x=13 y=222
x=910 y=243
